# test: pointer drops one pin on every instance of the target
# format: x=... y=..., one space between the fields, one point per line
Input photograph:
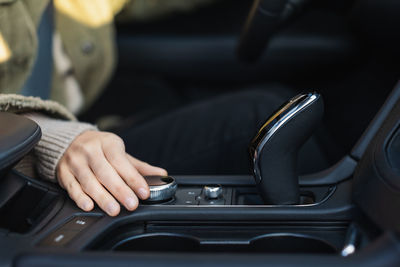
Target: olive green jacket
x=87 y=33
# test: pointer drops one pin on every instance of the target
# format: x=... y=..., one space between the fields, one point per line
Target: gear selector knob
x=275 y=148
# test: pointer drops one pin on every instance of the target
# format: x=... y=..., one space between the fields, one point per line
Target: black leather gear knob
x=274 y=149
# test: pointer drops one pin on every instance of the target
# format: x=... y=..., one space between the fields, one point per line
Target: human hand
x=96 y=167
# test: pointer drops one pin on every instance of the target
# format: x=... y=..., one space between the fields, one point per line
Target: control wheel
x=162 y=188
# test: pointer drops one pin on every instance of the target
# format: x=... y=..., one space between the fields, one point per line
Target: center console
x=345 y=215
x=229 y=216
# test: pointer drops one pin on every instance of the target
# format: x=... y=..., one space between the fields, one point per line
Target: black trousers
x=212 y=137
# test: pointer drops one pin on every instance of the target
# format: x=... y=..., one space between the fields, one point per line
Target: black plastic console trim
x=339 y=172
x=373 y=128
x=383 y=252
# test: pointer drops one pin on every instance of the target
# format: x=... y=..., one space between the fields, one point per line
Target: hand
x=96 y=167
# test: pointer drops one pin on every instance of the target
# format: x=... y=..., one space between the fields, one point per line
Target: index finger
x=128 y=172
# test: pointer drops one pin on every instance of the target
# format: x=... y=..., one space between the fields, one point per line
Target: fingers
x=109 y=177
x=95 y=167
x=96 y=191
x=68 y=182
x=145 y=168
x=118 y=160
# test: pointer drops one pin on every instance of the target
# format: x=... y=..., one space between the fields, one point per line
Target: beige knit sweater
x=59 y=128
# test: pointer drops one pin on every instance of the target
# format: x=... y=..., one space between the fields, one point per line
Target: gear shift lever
x=275 y=147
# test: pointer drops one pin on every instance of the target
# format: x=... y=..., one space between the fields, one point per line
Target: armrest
x=18 y=135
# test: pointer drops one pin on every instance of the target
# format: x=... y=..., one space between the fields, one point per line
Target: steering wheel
x=264 y=19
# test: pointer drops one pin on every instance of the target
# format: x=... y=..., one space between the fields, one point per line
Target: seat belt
x=39 y=82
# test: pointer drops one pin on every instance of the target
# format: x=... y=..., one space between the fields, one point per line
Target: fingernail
x=143 y=193
x=112 y=208
x=87 y=205
x=131 y=203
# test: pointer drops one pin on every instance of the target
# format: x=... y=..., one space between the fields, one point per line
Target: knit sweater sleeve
x=57 y=135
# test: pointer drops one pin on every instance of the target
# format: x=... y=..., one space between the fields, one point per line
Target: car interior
x=335 y=64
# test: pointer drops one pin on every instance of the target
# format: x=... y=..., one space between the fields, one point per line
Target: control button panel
x=187 y=196
x=63 y=235
x=207 y=195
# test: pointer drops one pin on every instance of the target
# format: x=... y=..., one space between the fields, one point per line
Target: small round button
x=212 y=191
x=87 y=47
x=162 y=188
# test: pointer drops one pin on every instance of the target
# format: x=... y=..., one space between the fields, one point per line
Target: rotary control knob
x=212 y=191
x=162 y=188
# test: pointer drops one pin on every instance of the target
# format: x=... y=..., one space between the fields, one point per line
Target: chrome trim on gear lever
x=288 y=111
